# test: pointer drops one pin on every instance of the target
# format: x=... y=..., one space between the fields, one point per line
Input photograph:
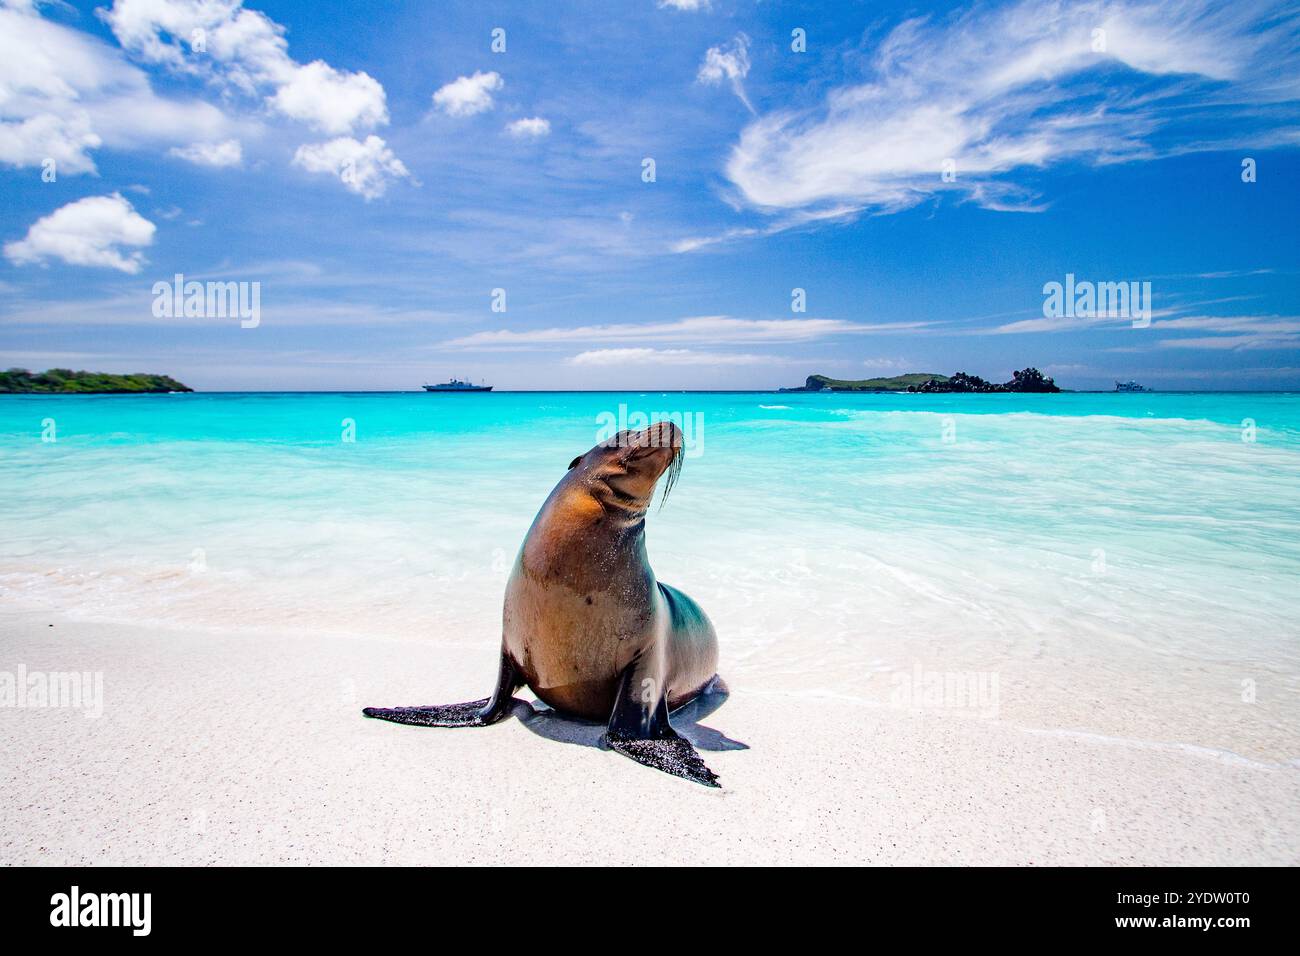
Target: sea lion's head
x=621 y=472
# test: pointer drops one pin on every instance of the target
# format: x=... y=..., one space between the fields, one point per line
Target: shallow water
x=1121 y=564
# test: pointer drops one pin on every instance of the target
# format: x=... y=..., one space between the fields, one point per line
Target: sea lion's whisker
x=670 y=474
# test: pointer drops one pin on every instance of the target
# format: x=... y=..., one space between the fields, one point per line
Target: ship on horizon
x=456 y=385
x=1130 y=386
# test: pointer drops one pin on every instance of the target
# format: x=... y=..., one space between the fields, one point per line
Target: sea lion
x=586 y=626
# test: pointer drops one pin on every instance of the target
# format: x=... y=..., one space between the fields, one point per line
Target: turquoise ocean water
x=1126 y=564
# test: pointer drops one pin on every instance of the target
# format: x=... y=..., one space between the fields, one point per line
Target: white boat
x=456 y=385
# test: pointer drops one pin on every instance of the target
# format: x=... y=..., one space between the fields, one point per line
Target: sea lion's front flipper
x=639 y=728
x=474 y=713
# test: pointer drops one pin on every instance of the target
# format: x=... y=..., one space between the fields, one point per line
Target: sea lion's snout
x=632 y=462
x=661 y=440
x=654 y=451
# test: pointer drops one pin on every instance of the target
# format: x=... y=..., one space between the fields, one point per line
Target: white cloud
x=467 y=95
x=1237 y=332
x=997 y=89
x=647 y=356
x=65 y=139
x=1263 y=328
x=705 y=329
x=88 y=232
x=365 y=168
x=1234 y=343
x=529 y=128
x=228 y=153
x=1060 y=324
x=886 y=363
x=330 y=100
x=729 y=62
x=246 y=50
x=692 y=243
x=64 y=93
x=788 y=220
x=687 y=5
x=1234 y=323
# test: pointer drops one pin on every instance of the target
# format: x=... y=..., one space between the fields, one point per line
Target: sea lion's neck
x=577 y=538
x=605 y=530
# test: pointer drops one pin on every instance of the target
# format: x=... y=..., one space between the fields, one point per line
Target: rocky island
x=899 y=383
x=1023 y=380
x=66 y=381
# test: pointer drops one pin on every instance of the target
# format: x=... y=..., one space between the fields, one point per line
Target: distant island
x=66 y=381
x=899 y=383
x=1023 y=380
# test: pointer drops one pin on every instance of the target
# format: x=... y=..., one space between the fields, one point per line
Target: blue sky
x=381 y=174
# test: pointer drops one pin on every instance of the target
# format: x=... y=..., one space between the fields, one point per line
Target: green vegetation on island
x=1022 y=380
x=66 y=381
x=898 y=383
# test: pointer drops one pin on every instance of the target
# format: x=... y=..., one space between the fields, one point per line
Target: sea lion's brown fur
x=585 y=623
x=583 y=602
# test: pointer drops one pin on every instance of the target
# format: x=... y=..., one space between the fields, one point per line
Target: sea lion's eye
x=574 y=464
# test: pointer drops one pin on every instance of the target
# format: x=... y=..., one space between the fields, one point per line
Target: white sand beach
x=248 y=747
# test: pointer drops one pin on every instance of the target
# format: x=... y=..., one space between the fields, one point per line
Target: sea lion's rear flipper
x=474 y=713
x=674 y=755
x=639 y=728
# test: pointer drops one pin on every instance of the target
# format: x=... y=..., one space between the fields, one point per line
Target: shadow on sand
x=552 y=725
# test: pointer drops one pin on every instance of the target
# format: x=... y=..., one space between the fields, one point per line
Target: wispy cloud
x=730 y=62
x=991 y=90
x=1233 y=342
x=227 y=153
x=1234 y=323
x=133 y=307
x=1074 y=323
x=1235 y=332
x=649 y=356
x=715 y=329
x=787 y=221
x=1233 y=274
